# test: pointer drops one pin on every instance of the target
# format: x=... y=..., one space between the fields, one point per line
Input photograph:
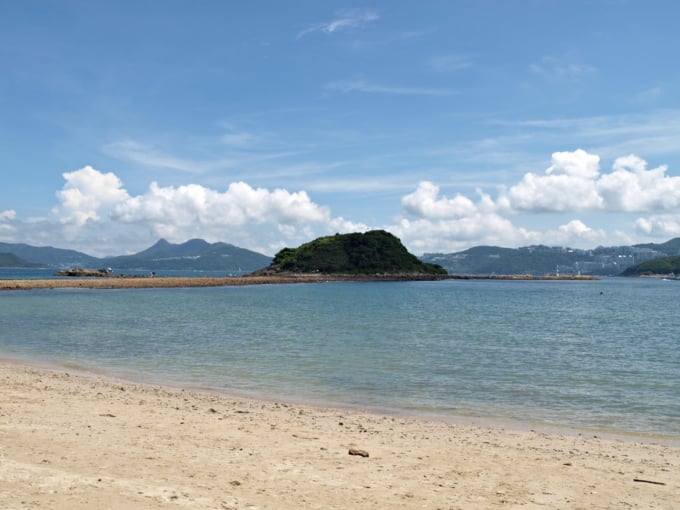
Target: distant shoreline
x=133 y=282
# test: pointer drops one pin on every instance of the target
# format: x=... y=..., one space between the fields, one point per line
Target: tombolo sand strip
x=113 y=282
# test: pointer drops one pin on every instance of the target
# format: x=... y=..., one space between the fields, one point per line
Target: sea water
x=601 y=355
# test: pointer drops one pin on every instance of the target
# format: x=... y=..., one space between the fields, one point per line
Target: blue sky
x=266 y=123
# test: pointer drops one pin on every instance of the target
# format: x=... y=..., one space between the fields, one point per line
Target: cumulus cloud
x=571 y=203
x=425 y=235
x=97 y=215
x=6 y=226
x=567 y=185
x=193 y=205
x=425 y=202
x=86 y=192
x=573 y=233
x=8 y=215
x=633 y=188
x=572 y=184
x=658 y=226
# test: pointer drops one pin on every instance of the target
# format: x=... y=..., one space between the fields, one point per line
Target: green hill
x=47 y=256
x=11 y=260
x=374 y=252
x=664 y=265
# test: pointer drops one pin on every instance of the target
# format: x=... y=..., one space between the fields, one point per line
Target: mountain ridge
x=198 y=254
x=195 y=254
x=541 y=260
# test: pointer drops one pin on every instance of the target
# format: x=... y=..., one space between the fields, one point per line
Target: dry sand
x=84 y=442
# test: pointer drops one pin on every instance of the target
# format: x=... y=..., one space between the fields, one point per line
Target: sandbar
x=212 y=281
x=81 y=441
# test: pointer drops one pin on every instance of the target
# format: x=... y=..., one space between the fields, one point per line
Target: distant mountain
x=11 y=260
x=670 y=248
x=374 y=252
x=48 y=256
x=541 y=260
x=195 y=254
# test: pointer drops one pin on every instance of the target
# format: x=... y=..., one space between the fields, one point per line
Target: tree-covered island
x=371 y=253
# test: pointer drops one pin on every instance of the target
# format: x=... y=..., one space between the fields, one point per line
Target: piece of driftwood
x=361 y=453
x=648 y=481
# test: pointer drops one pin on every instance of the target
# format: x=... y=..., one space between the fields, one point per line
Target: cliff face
x=374 y=252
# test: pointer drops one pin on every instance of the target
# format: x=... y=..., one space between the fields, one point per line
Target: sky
x=266 y=124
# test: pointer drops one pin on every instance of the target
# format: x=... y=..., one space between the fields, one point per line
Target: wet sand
x=74 y=441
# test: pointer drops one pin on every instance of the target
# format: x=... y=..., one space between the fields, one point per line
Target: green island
x=376 y=252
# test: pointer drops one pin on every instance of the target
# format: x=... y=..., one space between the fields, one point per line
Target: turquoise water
x=602 y=354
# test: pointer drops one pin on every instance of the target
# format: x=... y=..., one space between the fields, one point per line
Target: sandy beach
x=74 y=441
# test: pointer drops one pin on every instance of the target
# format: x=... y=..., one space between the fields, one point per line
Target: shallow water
x=593 y=354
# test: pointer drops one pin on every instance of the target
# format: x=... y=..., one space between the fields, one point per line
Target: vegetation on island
x=661 y=266
x=374 y=252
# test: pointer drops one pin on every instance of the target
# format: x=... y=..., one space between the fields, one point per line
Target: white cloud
x=633 y=188
x=659 y=226
x=345 y=19
x=424 y=235
x=426 y=203
x=577 y=164
x=239 y=205
x=486 y=228
x=574 y=233
x=8 y=215
x=567 y=185
x=97 y=215
x=7 y=228
x=86 y=192
x=572 y=184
